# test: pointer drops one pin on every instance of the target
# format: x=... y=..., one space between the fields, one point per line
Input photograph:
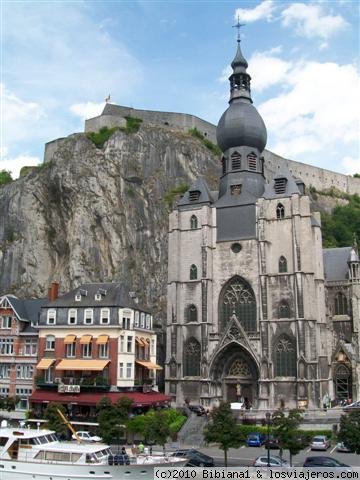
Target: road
x=244 y=456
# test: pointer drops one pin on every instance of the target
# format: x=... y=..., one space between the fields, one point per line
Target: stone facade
x=254 y=312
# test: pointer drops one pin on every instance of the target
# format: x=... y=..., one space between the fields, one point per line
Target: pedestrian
x=141 y=447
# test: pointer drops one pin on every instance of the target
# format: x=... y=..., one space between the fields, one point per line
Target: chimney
x=53 y=291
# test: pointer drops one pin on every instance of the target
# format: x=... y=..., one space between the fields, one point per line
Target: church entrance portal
x=238 y=374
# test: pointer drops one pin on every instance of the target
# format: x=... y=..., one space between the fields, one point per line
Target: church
x=258 y=311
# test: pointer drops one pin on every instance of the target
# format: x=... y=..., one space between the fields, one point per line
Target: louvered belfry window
x=285 y=357
x=194 y=195
x=236 y=161
x=280 y=185
x=238 y=297
x=192 y=352
x=252 y=161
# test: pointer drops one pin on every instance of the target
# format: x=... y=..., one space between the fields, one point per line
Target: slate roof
x=291 y=184
x=26 y=309
x=116 y=295
x=335 y=263
x=205 y=194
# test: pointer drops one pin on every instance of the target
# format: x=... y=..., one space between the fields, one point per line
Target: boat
x=34 y=453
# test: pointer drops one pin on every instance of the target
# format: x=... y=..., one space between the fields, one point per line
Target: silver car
x=320 y=442
x=274 y=461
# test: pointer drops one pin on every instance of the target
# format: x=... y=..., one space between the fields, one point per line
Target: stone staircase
x=191 y=433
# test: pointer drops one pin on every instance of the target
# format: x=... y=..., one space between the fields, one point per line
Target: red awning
x=91 y=399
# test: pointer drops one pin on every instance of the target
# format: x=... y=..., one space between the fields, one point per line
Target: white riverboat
x=37 y=454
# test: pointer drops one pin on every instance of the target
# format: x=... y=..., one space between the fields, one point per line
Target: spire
x=239 y=79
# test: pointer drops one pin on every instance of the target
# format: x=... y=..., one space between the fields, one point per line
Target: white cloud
x=87 y=110
x=351 y=165
x=311 y=21
x=315 y=112
x=15 y=164
x=267 y=70
x=262 y=11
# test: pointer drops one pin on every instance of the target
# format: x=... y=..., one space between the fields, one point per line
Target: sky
x=61 y=59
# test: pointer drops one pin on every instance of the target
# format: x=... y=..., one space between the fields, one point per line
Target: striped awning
x=85 y=339
x=148 y=365
x=85 y=365
x=69 y=339
x=102 y=339
x=45 y=363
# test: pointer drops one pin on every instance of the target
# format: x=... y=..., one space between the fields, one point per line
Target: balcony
x=89 y=384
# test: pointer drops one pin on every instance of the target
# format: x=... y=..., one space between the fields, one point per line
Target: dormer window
x=194 y=195
x=78 y=297
x=72 y=316
x=280 y=185
x=235 y=189
x=105 y=316
x=98 y=297
x=88 y=316
x=235 y=161
x=51 y=317
x=252 y=161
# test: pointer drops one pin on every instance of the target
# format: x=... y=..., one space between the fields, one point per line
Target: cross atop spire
x=238 y=26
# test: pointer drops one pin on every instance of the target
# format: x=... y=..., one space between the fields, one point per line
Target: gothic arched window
x=172 y=368
x=284 y=309
x=285 y=357
x=238 y=297
x=191 y=313
x=282 y=265
x=193 y=222
x=280 y=211
x=193 y=272
x=343 y=388
x=191 y=358
x=341 y=305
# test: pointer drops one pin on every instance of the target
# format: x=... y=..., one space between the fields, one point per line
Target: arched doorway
x=238 y=373
x=342 y=382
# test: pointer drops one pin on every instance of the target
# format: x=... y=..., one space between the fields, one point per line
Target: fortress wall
x=321 y=179
x=182 y=121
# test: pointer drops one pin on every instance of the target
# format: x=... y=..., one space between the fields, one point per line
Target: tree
x=54 y=421
x=349 y=432
x=9 y=403
x=113 y=419
x=157 y=428
x=222 y=429
x=286 y=429
x=5 y=177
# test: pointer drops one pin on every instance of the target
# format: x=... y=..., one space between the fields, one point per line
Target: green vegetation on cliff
x=5 y=177
x=99 y=138
x=172 y=194
x=339 y=227
x=208 y=144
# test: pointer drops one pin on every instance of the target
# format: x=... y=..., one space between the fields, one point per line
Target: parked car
x=325 y=462
x=271 y=442
x=274 y=461
x=320 y=442
x=340 y=447
x=196 y=458
x=353 y=406
x=198 y=409
x=255 y=439
x=87 y=437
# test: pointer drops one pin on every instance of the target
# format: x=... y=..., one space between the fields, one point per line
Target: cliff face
x=98 y=214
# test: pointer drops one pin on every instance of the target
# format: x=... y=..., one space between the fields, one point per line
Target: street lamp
x=268 y=419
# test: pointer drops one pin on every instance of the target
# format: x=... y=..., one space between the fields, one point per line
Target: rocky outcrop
x=95 y=214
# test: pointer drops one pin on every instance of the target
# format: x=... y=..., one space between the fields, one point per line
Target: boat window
x=3 y=441
x=102 y=453
x=55 y=456
x=49 y=438
x=34 y=441
x=42 y=439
